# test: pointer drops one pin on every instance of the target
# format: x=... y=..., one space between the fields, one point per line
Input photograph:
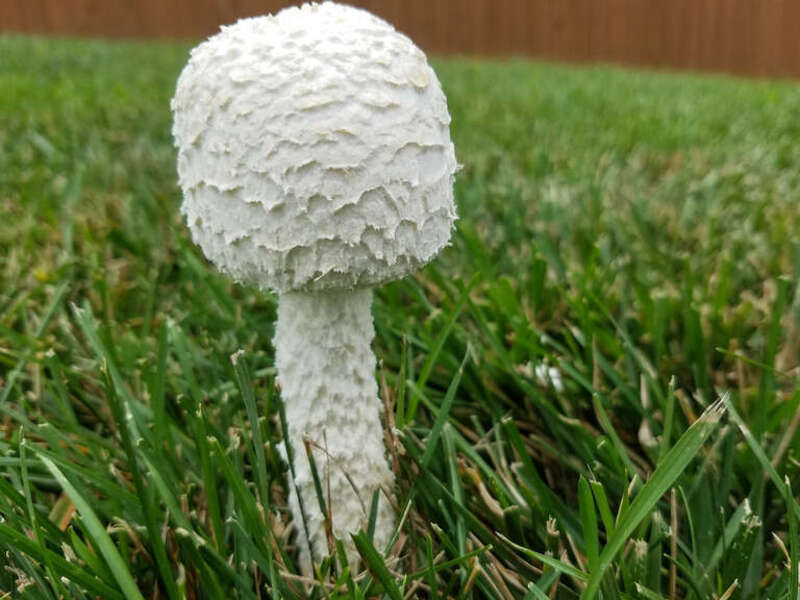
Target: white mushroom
x=315 y=160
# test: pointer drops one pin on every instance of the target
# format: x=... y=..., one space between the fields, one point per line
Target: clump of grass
x=634 y=233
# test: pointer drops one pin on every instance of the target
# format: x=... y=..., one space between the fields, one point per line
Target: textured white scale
x=322 y=101
x=315 y=160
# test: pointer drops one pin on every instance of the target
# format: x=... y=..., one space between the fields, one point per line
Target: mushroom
x=315 y=160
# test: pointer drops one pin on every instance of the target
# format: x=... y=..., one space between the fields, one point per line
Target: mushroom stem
x=326 y=370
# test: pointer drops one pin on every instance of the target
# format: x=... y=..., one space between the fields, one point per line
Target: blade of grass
x=556 y=564
x=244 y=498
x=151 y=517
x=761 y=456
x=244 y=381
x=54 y=581
x=48 y=314
x=61 y=566
x=669 y=412
x=443 y=413
x=794 y=544
x=433 y=355
x=672 y=465
x=603 y=506
x=157 y=396
x=589 y=522
x=98 y=533
x=534 y=593
x=290 y=459
x=605 y=422
x=376 y=565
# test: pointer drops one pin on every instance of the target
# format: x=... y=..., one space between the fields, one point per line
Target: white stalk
x=326 y=370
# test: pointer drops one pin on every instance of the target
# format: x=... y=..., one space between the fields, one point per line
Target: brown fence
x=752 y=37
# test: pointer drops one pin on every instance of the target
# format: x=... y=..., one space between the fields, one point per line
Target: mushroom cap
x=314 y=150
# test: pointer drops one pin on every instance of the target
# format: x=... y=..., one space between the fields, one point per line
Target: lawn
x=627 y=254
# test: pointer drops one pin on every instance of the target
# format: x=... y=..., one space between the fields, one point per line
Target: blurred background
x=746 y=37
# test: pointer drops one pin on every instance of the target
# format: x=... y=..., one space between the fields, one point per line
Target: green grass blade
x=759 y=453
x=287 y=443
x=49 y=312
x=98 y=533
x=443 y=412
x=556 y=564
x=244 y=381
x=433 y=355
x=670 y=468
x=54 y=581
x=150 y=513
x=534 y=593
x=794 y=543
x=242 y=494
x=604 y=507
x=589 y=523
x=669 y=415
x=64 y=568
x=376 y=565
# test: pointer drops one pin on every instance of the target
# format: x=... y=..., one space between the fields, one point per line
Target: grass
x=635 y=233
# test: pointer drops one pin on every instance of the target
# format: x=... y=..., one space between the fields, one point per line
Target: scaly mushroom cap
x=314 y=150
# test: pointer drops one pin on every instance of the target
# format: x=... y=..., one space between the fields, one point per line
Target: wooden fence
x=751 y=37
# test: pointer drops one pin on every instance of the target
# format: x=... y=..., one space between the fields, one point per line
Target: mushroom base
x=326 y=371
